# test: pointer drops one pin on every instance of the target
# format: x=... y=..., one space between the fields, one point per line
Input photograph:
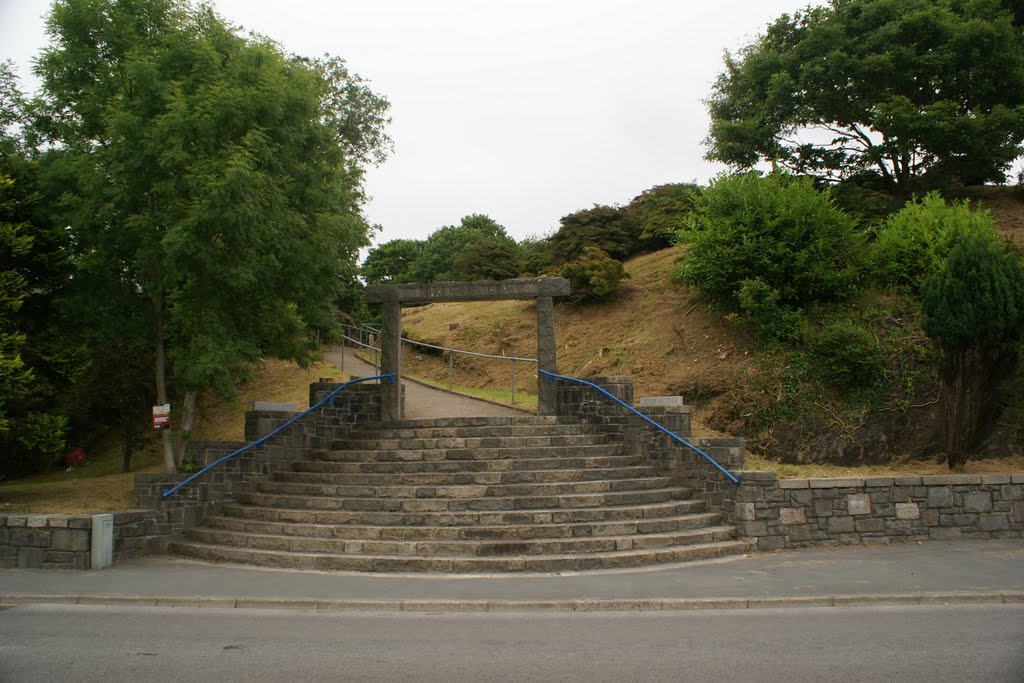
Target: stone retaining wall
x=65 y=541
x=797 y=513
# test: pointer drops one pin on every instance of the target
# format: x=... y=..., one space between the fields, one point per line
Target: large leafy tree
x=212 y=184
x=912 y=92
x=608 y=228
x=436 y=260
x=391 y=262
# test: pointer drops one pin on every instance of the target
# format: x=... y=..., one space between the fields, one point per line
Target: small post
x=451 y=368
x=513 y=381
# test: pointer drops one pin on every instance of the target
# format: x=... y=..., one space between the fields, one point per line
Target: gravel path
x=421 y=401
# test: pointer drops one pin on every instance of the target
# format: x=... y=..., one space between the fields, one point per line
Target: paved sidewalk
x=927 y=573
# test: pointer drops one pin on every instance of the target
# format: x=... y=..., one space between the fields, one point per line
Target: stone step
x=454 y=533
x=405 y=563
x=461 y=548
x=468 y=466
x=548 y=476
x=462 y=454
x=478 y=421
x=648 y=511
x=386 y=443
x=479 y=431
x=462 y=491
x=368 y=504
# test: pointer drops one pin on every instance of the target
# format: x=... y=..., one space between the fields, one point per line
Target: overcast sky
x=525 y=111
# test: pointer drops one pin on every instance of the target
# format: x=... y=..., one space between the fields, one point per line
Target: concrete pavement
x=927 y=573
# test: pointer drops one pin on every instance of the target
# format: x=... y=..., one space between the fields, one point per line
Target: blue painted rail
x=168 y=492
x=550 y=377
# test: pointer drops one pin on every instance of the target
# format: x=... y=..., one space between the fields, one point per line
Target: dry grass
x=98 y=484
x=1008 y=465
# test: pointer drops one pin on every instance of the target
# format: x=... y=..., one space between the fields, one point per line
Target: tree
x=37 y=362
x=436 y=261
x=974 y=310
x=212 y=184
x=660 y=212
x=489 y=259
x=391 y=262
x=608 y=228
x=917 y=92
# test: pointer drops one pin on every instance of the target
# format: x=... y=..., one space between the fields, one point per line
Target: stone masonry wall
x=65 y=541
x=795 y=513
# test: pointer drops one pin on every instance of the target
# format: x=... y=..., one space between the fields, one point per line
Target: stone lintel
x=481 y=290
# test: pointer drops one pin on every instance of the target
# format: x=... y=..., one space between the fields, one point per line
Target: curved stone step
x=479 y=431
x=463 y=491
x=399 y=563
x=466 y=454
x=477 y=421
x=386 y=443
x=504 y=532
x=461 y=548
x=579 y=500
x=650 y=511
x=464 y=466
x=550 y=476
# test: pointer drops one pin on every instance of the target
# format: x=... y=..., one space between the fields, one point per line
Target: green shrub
x=489 y=259
x=778 y=229
x=763 y=314
x=594 y=275
x=849 y=357
x=912 y=243
x=610 y=229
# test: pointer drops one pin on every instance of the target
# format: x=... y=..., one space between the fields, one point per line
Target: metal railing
x=368 y=333
x=550 y=377
x=334 y=392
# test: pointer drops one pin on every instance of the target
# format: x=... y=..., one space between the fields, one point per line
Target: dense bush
x=610 y=229
x=594 y=275
x=974 y=310
x=661 y=212
x=763 y=313
x=775 y=228
x=912 y=243
x=849 y=356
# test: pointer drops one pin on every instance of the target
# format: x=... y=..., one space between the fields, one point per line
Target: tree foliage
x=660 y=212
x=919 y=92
x=212 y=184
x=912 y=243
x=974 y=310
x=608 y=228
x=436 y=261
x=391 y=262
x=489 y=259
x=777 y=229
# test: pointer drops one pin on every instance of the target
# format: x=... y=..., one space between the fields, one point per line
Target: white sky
x=525 y=111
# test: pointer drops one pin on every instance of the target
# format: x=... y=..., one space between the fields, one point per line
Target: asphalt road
x=92 y=643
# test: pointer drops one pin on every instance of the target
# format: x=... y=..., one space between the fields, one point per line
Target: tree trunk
x=161 y=379
x=127 y=446
x=970 y=377
x=188 y=414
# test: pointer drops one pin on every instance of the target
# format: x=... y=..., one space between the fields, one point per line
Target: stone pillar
x=546 y=391
x=391 y=360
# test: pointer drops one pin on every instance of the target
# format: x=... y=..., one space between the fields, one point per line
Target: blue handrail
x=550 y=376
x=390 y=377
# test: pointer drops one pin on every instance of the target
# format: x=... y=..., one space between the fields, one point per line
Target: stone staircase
x=465 y=495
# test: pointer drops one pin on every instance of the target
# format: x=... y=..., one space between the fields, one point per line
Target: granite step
x=373 y=504
x=471 y=532
x=465 y=454
x=462 y=491
x=507 y=464
x=413 y=478
x=387 y=442
x=649 y=511
x=462 y=548
x=459 y=564
x=479 y=431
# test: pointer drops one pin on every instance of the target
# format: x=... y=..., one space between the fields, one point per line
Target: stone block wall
x=796 y=513
x=65 y=541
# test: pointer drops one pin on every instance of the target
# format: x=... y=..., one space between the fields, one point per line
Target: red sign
x=162 y=416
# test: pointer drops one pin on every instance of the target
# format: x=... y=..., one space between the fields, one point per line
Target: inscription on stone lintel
x=481 y=290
